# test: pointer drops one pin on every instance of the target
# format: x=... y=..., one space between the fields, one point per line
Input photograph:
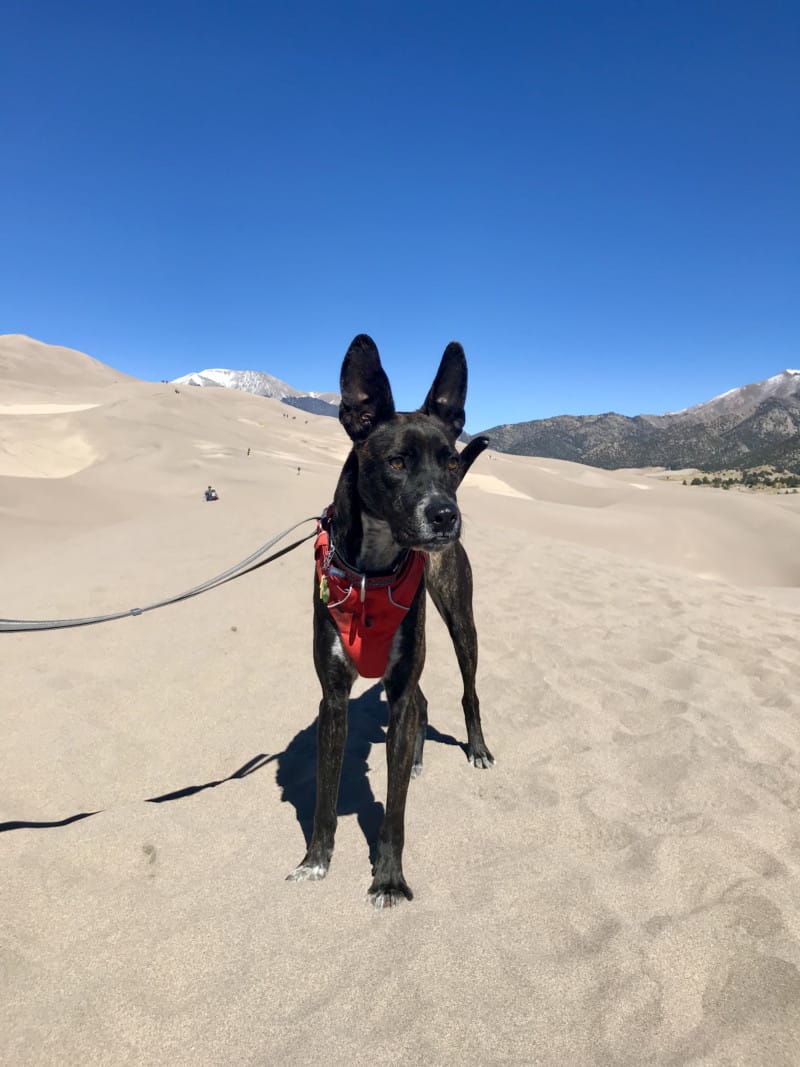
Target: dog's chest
x=379 y=550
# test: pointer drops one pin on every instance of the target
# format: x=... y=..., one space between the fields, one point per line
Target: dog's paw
x=307 y=872
x=480 y=757
x=387 y=895
x=416 y=769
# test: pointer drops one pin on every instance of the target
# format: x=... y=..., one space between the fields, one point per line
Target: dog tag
x=324 y=591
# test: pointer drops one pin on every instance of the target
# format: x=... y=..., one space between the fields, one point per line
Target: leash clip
x=363 y=588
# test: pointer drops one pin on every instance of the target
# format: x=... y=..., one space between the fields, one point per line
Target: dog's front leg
x=331 y=737
x=336 y=676
x=449 y=580
x=389 y=887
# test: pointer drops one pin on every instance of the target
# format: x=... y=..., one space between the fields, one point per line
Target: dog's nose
x=442 y=516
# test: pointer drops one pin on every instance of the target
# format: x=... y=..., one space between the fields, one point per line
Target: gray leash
x=243 y=567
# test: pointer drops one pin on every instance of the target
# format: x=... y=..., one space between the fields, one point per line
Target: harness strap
x=367 y=609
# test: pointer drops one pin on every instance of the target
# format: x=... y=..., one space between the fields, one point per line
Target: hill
x=749 y=426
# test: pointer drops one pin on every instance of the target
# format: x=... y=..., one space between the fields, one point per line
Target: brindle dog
x=397 y=491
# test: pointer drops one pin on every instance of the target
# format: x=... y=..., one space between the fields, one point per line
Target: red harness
x=367 y=610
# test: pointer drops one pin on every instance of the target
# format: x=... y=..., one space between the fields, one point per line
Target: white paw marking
x=307 y=874
x=385 y=900
x=481 y=762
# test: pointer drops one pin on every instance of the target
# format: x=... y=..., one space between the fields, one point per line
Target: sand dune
x=42 y=409
x=622 y=888
x=31 y=368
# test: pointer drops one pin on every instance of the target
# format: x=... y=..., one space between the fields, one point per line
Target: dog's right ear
x=366 y=393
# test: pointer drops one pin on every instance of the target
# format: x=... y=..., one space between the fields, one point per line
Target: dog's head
x=408 y=465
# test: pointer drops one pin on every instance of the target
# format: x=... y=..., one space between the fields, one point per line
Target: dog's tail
x=470 y=453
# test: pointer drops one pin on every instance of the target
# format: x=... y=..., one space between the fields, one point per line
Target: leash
x=245 y=566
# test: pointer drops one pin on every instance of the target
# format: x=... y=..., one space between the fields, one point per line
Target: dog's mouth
x=436 y=542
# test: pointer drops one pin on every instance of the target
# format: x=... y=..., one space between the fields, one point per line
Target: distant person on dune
x=211 y=493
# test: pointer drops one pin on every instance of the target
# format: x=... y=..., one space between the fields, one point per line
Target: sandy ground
x=622 y=888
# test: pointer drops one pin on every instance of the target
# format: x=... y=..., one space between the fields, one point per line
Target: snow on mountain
x=747 y=397
x=261 y=384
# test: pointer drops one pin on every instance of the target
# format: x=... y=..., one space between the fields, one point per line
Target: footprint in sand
x=150 y=857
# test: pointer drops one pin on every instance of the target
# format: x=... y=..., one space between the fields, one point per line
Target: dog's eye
x=397 y=463
x=452 y=463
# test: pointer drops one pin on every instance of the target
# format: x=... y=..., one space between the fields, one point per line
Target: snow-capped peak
x=251 y=381
x=780 y=385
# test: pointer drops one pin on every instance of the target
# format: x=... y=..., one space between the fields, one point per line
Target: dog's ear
x=448 y=394
x=366 y=393
x=469 y=454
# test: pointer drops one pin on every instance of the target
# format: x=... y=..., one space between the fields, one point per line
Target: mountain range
x=262 y=384
x=754 y=425
x=750 y=426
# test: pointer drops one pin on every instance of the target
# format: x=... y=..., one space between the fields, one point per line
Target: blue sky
x=601 y=201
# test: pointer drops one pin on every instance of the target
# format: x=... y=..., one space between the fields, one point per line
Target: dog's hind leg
x=422 y=730
x=449 y=582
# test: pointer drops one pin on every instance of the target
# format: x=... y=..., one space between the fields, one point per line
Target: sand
x=622 y=888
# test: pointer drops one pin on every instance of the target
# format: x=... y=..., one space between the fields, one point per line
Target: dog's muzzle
x=441 y=523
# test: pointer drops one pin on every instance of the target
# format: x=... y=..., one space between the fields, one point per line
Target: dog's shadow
x=297 y=773
x=297 y=767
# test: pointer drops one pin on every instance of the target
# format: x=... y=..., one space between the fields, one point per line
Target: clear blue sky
x=600 y=200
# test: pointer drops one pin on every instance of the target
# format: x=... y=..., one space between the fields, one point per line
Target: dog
x=391 y=533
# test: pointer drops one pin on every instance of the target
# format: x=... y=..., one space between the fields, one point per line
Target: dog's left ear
x=469 y=454
x=448 y=394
